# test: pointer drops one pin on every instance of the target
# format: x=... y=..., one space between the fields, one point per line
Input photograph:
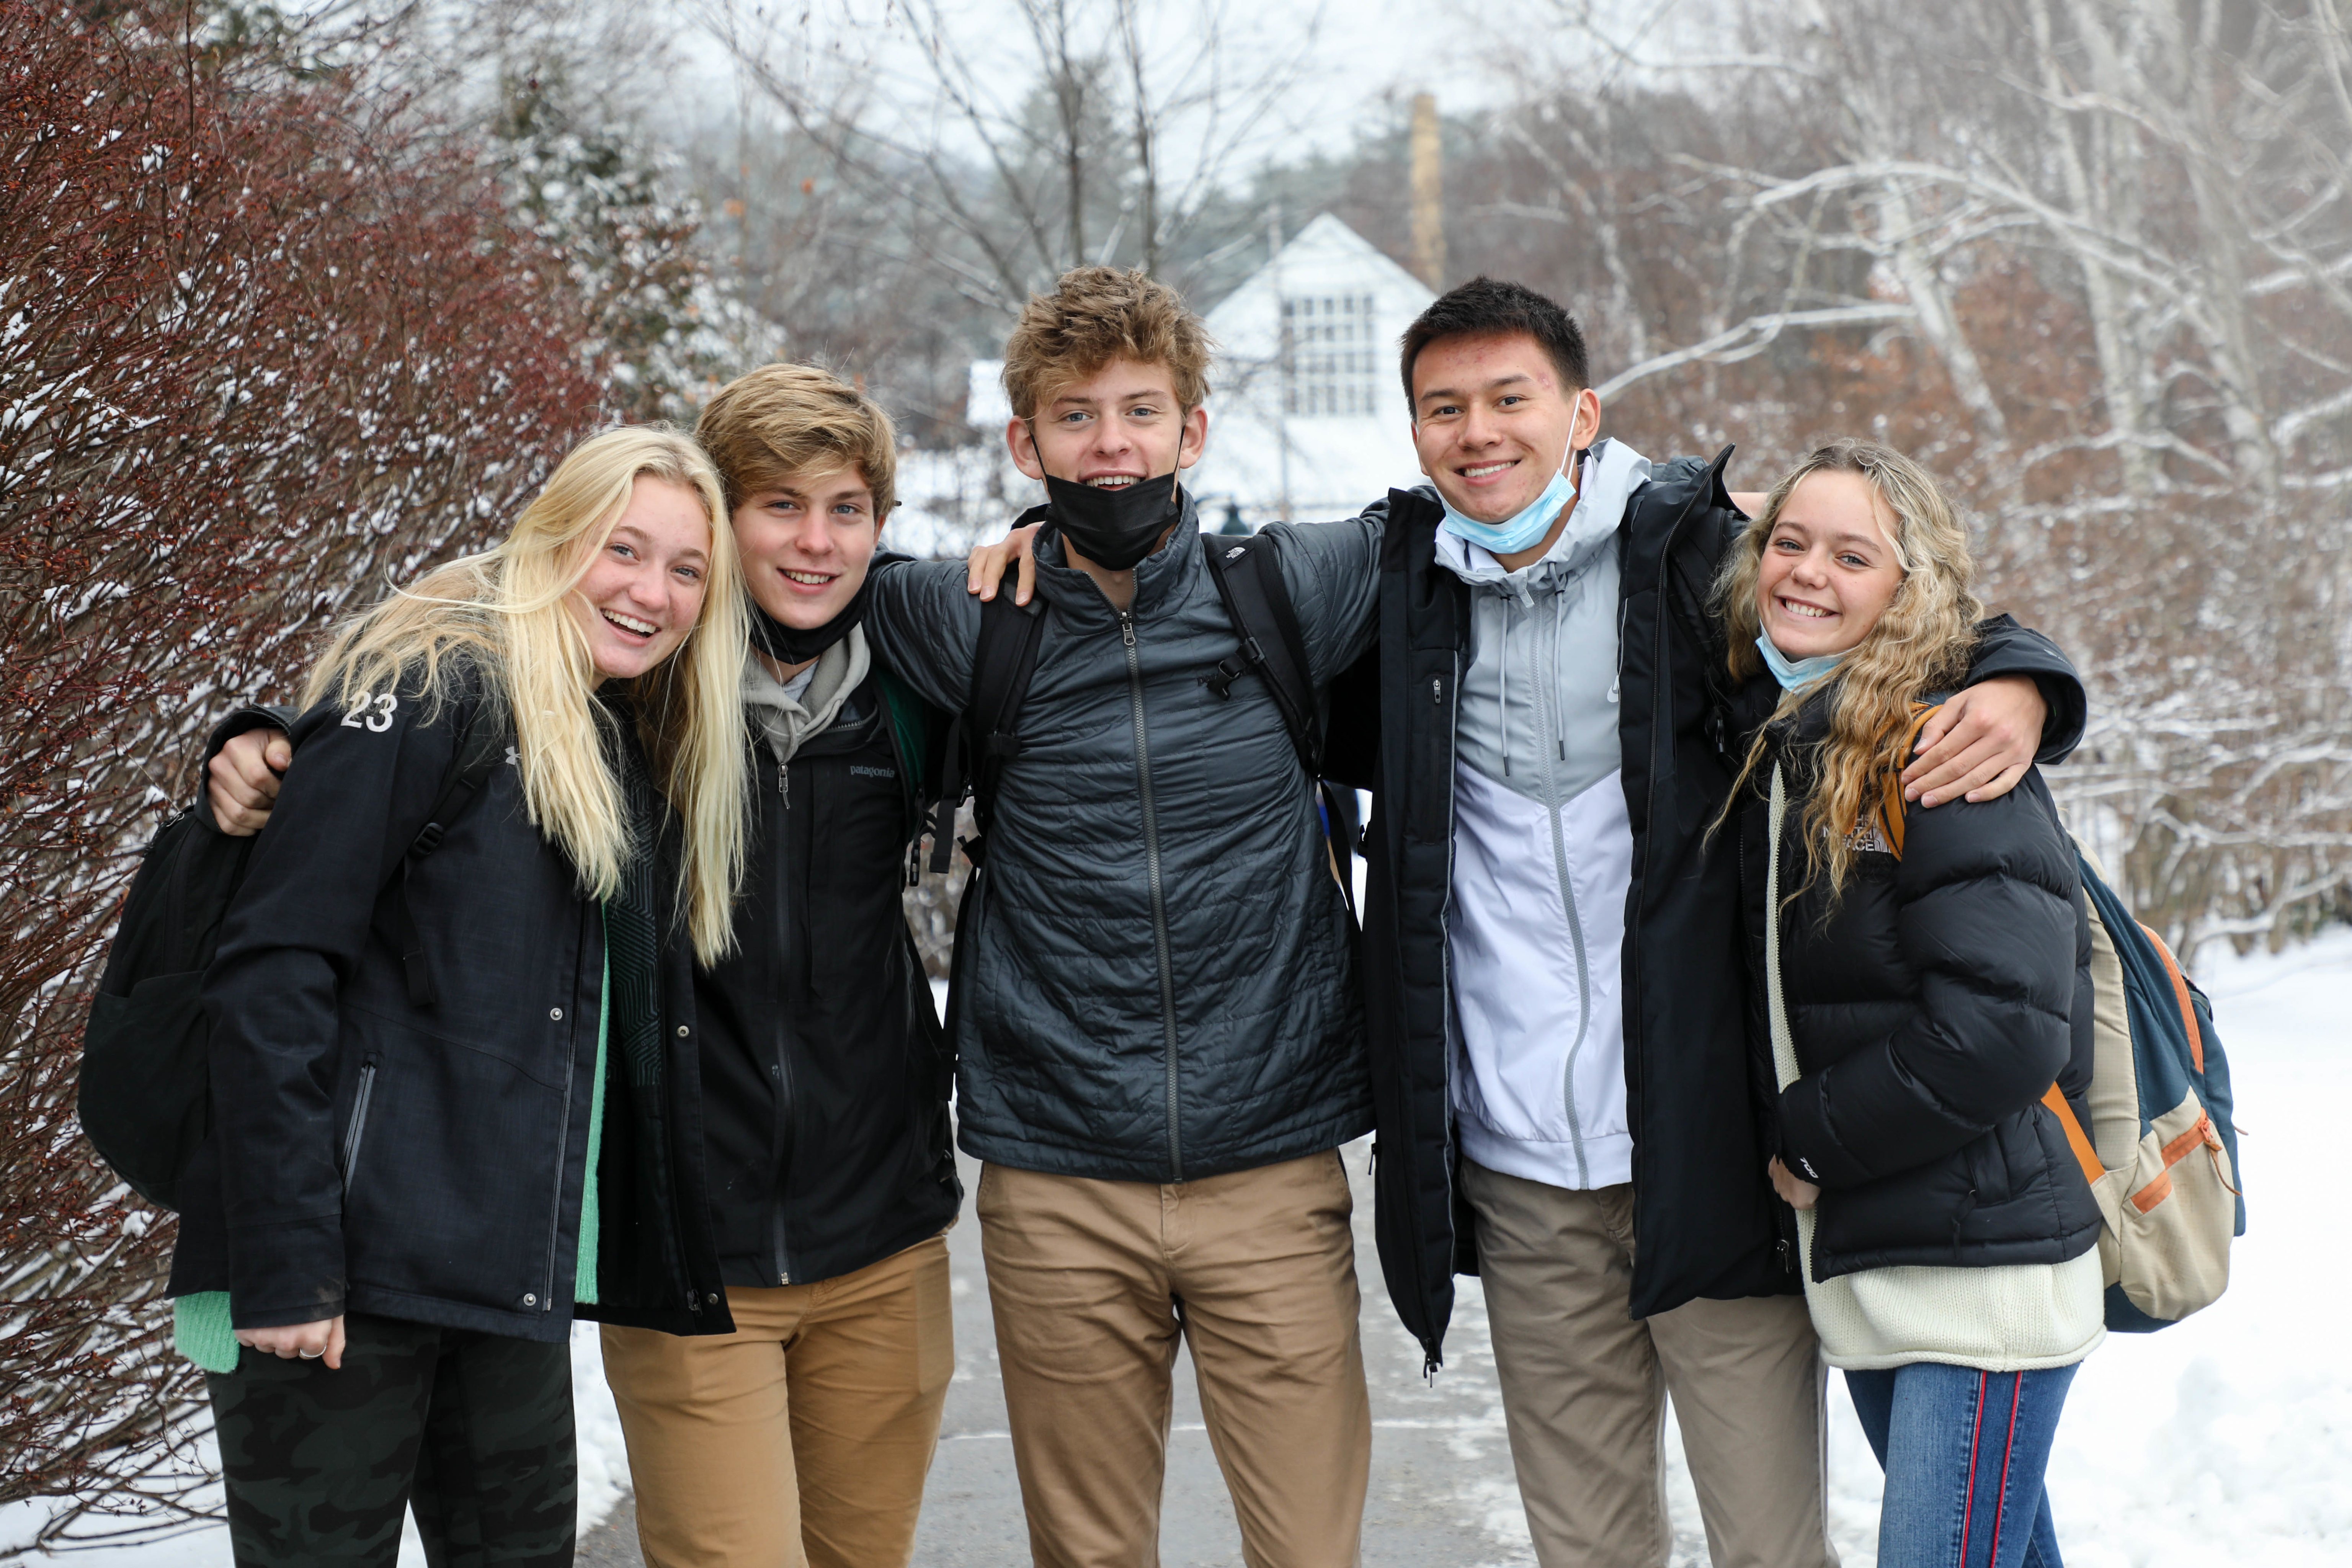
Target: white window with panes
x=1330 y=353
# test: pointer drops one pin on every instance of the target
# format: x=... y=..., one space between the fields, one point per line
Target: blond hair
x=1095 y=315
x=786 y=419
x=503 y=616
x=1920 y=644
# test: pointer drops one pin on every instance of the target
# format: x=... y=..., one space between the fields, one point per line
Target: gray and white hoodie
x=1543 y=851
x=784 y=716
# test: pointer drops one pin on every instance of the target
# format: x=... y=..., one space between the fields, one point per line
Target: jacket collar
x=1159 y=577
x=1610 y=476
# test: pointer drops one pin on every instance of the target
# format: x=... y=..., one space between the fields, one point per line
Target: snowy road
x=2227 y=1438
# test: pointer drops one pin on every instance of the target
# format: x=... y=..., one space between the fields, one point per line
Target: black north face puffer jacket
x=1159 y=983
x=1931 y=1006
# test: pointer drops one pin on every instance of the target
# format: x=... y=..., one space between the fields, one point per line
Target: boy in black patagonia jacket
x=823 y=1101
x=1555 y=992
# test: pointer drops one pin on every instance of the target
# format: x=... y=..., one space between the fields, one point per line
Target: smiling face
x=644 y=590
x=1829 y=569
x=1492 y=421
x=806 y=541
x=1121 y=425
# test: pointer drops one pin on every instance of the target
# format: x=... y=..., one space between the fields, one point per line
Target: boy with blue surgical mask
x=1555 y=991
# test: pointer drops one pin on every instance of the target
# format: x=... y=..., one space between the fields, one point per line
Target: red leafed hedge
x=257 y=349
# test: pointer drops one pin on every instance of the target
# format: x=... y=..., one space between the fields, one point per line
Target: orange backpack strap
x=1890 y=807
x=2076 y=1139
x=2180 y=996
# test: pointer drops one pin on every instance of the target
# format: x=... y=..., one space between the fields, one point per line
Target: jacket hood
x=785 y=722
x=1613 y=473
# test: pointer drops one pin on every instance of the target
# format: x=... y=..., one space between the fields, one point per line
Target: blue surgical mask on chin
x=1792 y=673
x=1523 y=528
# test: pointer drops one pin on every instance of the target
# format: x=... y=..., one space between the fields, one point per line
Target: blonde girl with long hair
x=453 y=1064
x=1926 y=983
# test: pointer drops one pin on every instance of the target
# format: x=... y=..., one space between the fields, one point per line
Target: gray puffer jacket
x=1161 y=982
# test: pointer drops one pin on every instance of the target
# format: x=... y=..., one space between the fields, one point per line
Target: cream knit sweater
x=2011 y=1318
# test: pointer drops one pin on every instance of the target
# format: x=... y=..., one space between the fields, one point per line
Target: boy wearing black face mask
x=1160 y=1045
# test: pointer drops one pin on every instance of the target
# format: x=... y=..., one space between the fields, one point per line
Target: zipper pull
x=1437 y=690
x=1127 y=626
x=785 y=783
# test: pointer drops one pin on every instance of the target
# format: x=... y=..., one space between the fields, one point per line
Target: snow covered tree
x=262 y=349
x=668 y=332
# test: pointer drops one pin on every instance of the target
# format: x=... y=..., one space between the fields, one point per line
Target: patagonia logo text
x=860 y=770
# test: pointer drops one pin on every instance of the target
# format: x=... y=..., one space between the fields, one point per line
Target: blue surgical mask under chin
x=1519 y=531
x=1792 y=673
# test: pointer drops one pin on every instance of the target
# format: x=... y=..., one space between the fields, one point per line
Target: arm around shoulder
x=2007 y=648
x=363 y=783
x=923 y=623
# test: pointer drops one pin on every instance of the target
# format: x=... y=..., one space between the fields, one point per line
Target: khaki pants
x=1091 y=1283
x=1584 y=1390
x=802 y=1437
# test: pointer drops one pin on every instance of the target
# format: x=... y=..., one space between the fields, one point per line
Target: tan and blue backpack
x=2161 y=1152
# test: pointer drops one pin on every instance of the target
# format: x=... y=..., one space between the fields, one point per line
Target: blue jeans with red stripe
x=1963 y=1451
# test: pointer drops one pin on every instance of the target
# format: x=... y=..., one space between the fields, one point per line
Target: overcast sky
x=1473 y=56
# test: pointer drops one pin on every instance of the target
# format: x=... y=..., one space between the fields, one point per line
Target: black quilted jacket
x=1931 y=1004
x=1159 y=976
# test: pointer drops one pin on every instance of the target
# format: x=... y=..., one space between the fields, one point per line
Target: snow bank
x=2228 y=1438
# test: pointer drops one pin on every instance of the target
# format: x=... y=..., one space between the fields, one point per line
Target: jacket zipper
x=1159 y=893
x=1548 y=741
x=359 y=1120
x=1446 y=978
x=780 y=1070
x=546 y=1302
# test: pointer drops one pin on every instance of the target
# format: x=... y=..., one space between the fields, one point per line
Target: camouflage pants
x=472 y=1430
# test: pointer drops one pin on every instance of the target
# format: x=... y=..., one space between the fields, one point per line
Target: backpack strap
x=1891 y=803
x=985 y=736
x=477 y=754
x=909 y=723
x=1248 y=574
x=2179 y=997
x=2076 y=1139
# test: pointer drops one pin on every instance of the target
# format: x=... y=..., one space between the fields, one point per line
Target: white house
x=1307 y=417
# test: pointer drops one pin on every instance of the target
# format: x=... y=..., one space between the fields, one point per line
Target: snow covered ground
x=2227 y=1438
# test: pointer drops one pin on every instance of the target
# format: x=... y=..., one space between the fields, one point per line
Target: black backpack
x=146 y=1104
x=986 y=735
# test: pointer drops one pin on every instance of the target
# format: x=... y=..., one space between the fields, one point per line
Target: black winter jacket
x=1708 y=1223
x=428 y=1163
x=1156 y=976
x=1931 y=1006
x=824 y=1072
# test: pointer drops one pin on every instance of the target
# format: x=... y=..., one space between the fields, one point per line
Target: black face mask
x=1114 y=529
x=792 y=645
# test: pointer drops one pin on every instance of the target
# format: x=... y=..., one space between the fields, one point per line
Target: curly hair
x=1095 y=315
x=1920 y=644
